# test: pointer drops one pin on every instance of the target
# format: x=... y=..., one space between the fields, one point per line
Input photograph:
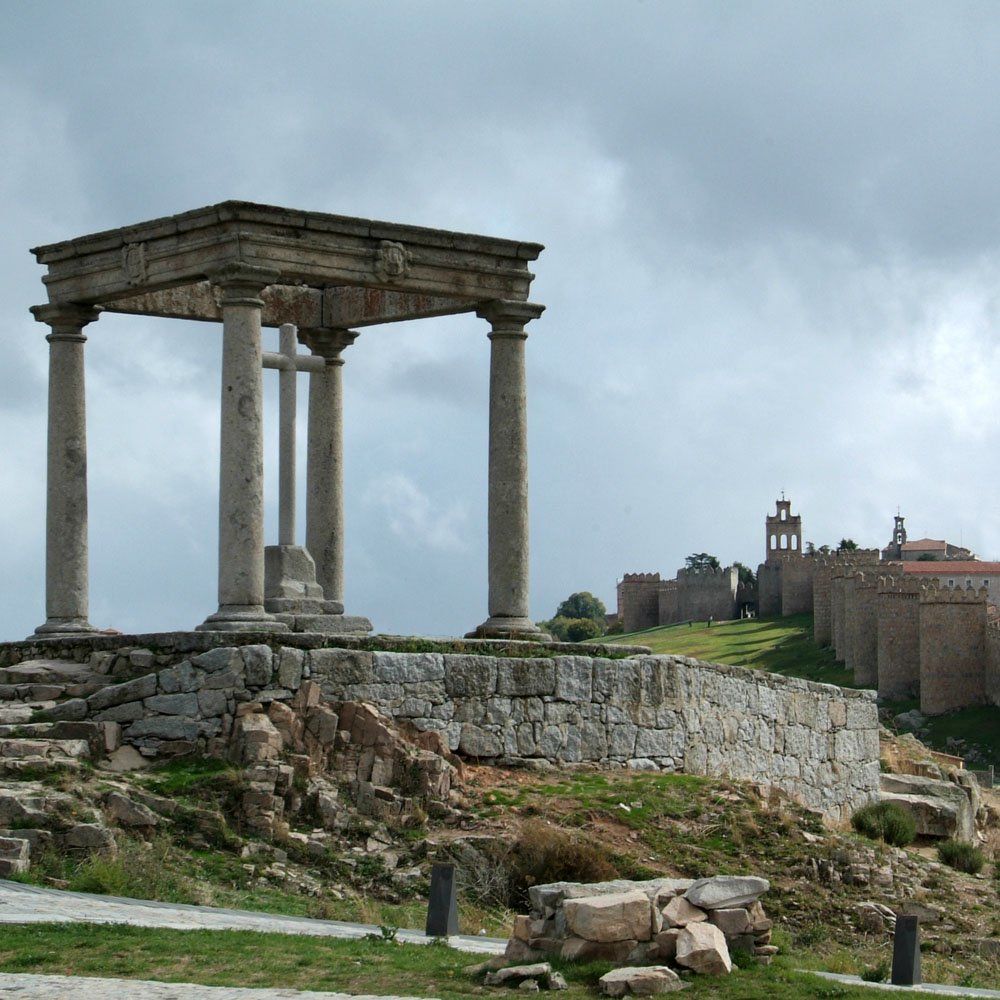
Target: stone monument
x=317 y=277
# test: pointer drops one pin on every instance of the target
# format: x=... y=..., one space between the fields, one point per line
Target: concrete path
x=23 y=904
x=924 y=988
x=27 y=987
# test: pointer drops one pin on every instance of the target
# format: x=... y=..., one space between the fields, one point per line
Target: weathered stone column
x=241 y=458
x=508 y=472
x=325 y=462
x=66 y=583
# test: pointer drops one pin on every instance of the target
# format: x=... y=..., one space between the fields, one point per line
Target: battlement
x=901 y=586
x=640 y=578
x=934 y=593
x=707 y=573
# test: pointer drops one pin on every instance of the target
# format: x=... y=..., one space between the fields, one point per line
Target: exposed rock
x=724 y=892
x=91 y=837
x=125 y=812
x=515 y=973
x=617 y=917
x=640 y=981
x=679 y=913
x=124 y=759
x=702 y=947
x=940 y=808
x=14 y=853
x=732 y=922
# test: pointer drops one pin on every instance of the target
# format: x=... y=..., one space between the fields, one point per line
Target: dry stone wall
x=817 y=742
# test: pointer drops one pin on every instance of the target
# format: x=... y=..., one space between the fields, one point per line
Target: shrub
x=876 y=974
x=964 y=857
x=886 y=821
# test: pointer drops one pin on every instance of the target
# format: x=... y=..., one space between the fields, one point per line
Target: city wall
x=952 y=649
x=797 y=585
x=898 y=626
x=993 y=662
x=638 y=601
x=172 y=693
x=861 y=627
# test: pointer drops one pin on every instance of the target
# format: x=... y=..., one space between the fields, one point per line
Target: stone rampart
x=179 y=693
x=993 y=663
x=861 y=627
x=797 y=584
x=952 y=648
x=769 y=590
x=822 y=578
x=898 y=623
x=638 y=601
x=706 y=593
x=844 y=565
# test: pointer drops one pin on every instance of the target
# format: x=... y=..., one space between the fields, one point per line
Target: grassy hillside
x=778 y=645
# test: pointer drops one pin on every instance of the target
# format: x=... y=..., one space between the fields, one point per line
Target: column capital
x=328 y=342
x=241 y=283
x=66 y=319
x=507 y=317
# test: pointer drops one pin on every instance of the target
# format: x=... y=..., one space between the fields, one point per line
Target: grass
x=249 y=959
x=778 y=645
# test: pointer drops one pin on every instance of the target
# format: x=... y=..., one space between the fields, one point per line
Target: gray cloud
x=771 y=264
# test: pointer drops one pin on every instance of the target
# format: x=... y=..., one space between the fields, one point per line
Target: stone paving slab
x=30 y=987
x=23 y=904
x=922 y=989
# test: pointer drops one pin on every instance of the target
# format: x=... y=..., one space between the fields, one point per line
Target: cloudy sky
x=772 y=263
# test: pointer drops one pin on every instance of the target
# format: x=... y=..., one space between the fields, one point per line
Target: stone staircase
x=30 y=750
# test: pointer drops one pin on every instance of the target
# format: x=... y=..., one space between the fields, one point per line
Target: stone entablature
x=817 y=742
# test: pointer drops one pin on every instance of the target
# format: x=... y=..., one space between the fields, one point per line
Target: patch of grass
x=778 y=645
x=963 y=857
x=185 y=775
x=250 y=959
x=886 y=821
x=877 y=973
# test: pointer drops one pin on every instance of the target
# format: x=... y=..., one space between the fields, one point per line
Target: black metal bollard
x=442 y=905
x=906 y=952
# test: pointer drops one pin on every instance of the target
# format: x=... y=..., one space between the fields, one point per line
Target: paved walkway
x=924 y=988
x=24 y=904
x=26 y=987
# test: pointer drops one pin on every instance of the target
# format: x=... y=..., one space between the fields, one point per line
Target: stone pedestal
x=66 y=552
x=508 y=475
x=241 y=479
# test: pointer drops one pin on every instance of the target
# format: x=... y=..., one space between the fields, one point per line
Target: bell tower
x=783 y=532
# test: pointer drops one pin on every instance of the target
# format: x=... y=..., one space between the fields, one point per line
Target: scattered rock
x=703 y=948
x=641 y=981
x=724 y=892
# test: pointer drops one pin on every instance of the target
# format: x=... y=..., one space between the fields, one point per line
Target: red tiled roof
x=922 y=544
x=952 y=567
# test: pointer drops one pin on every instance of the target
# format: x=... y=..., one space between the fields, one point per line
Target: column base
x=301 y=606
x=241 y=618
x=64 y=628
x=328 y=624
x=501 y=627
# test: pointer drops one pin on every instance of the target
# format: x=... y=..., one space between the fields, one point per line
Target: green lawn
x=778 y=645
x=246 y=958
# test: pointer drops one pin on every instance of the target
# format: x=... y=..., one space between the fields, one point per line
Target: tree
x=926 y=557
x=583 y=604
x=702 y=560
x=812 y=550
x=747 y=578
x=847 y=545
x=583 y=629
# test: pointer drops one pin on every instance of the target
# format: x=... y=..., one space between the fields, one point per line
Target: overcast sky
x=772 y=257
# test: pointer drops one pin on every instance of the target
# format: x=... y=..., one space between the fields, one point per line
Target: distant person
x=711 y=620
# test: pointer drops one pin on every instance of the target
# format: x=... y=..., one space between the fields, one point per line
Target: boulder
x=618 y=917
x=702 y=948
x=577 y=949
x=643 y=981
x=92 y=837
x=724 y=892
x=940 y=808
x=732 y=922
x=515 y=973
x=679 y=913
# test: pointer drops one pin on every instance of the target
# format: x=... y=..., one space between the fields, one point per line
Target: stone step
x=53 y=731
x=10 y=766
x=31 y=692
x=14 y=855
x=20 y=748
x=46 y=672
x=14 y=713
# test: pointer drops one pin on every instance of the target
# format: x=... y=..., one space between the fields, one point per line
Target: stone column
x=241 y=458
x=508 y=473
x=325 y=461
x=287 y=378
x=66 y=583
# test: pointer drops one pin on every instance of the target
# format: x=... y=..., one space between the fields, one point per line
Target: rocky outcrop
x=940 y=808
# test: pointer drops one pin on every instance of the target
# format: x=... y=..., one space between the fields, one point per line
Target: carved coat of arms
x=392 y=261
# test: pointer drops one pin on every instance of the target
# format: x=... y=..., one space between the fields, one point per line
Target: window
x=968 y=581
x=795 y=542
x=774 y=541
x=899 y=538
x=951 y=583
x=784 y=515
x=986 y=583
x=784 y=541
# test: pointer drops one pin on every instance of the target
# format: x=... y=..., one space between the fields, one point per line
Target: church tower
x=783 y=531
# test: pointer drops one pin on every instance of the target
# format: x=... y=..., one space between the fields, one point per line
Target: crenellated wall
x=898 y=625
x=993 y=662
x=861 y=627
x=797 y=573
x=952 y=648
x=638 y=601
